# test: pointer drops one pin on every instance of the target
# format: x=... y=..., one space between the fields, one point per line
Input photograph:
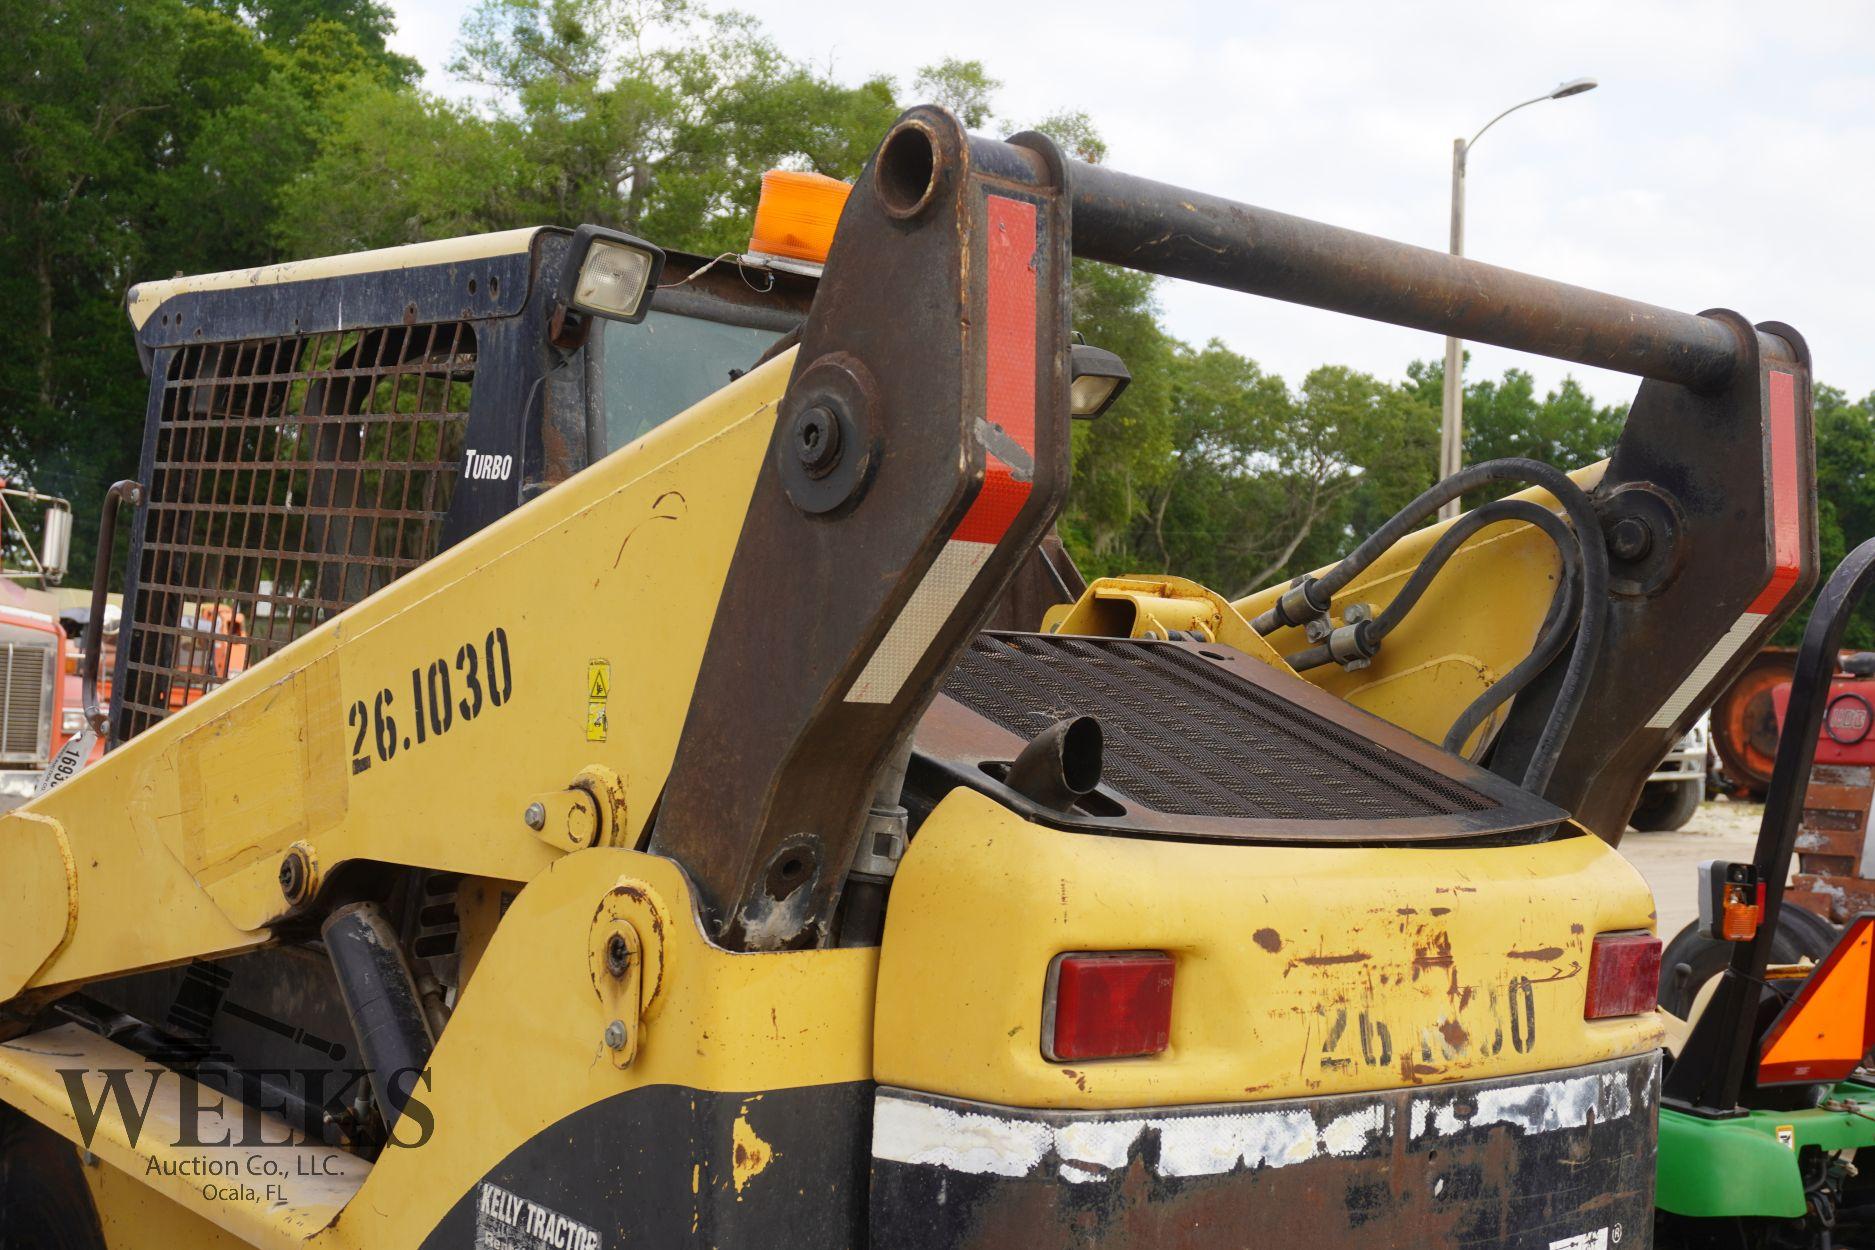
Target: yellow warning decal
x=598 y=691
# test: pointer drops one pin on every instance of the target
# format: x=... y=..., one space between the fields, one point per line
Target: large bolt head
x=817 y=440
x=1630 y=538
x=615 y=1035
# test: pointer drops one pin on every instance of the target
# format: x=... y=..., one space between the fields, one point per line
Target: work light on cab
x=609 y=274
x=1098 y=377
x=1107 y=1005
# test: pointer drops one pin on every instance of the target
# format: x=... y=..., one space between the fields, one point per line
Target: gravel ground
x=1721 y=829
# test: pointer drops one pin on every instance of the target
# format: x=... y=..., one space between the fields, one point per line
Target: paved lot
x=1670 y=861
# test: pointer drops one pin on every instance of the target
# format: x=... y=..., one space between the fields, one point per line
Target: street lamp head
x=1575 y=86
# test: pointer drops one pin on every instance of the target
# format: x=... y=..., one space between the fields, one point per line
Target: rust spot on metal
x=1575 y=928
x=1320 y=961
x=1268 y=939
x=1079 y=1078
x=1435 y=953
x=1454 y=1034
x=1442 y=911
x=1544 y=953
x=751 y=1154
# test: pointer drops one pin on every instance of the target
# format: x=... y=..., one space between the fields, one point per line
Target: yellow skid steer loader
x=680 y=795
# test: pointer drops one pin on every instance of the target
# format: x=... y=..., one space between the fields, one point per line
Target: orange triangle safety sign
x=1825 y=1031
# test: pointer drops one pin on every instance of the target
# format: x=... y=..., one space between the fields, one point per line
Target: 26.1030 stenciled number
x=440 y=698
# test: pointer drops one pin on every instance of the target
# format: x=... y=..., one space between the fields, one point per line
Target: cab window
x=666 y=363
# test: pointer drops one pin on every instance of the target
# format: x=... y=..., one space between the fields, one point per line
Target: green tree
x=1504 y=417
x=1845 y=504
x=963 y=87
x=1267 y=482
x=143 y=138
x=291 y=23
x=655 y=116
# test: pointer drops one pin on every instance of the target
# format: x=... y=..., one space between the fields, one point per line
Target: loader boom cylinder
x=1162 y=229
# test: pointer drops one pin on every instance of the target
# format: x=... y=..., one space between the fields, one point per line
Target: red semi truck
x=37 y=712
x=1834 y=863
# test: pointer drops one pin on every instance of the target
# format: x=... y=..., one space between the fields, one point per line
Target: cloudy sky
x=1727 y=158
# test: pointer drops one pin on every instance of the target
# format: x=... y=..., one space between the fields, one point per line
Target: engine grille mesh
x=1189 y=738
x=25 y=675
x=290 y=478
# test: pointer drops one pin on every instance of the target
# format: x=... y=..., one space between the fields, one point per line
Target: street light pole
x=1452 y=416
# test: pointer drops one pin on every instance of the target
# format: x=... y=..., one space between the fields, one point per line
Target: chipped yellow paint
x=1301 y=970
x=752 y=1154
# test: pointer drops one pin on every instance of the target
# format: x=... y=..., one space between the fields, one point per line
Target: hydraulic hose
x=1441 y=553
x=1556 y=631
x=1313 y=595
x=1560 y=624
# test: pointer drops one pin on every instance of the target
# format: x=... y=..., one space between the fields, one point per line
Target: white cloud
x=1728 y=157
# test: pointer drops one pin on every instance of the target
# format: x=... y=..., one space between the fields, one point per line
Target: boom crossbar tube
x=1162 y=229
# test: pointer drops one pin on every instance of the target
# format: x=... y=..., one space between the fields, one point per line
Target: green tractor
x=1766 y=1100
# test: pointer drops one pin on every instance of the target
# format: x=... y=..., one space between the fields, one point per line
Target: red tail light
x=1624 y=975
x=1107 y=1005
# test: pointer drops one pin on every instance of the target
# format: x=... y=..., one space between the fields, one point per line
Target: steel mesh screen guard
x=290 y=478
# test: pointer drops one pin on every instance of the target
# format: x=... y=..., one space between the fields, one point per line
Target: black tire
x=44 y=1201
x=1666 y=805
x=1800 y=933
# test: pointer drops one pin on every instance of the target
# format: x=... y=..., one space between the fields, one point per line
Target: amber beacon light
x=796 y=216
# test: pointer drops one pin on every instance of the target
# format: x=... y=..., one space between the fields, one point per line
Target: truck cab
x=34 y=720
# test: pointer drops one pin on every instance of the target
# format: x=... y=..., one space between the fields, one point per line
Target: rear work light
x=1107 y=1005
x=1624 y=975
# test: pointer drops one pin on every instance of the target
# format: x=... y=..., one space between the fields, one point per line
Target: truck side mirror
x=56 y=550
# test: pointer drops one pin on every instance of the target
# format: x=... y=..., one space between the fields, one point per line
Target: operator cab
x=329 y=425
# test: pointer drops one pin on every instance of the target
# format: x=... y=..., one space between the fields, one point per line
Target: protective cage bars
x=288 y=478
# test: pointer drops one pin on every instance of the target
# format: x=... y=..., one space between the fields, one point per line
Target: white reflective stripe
x=924 y=615
x=907 y=1130
x=1697 y=680
x=994 y=1142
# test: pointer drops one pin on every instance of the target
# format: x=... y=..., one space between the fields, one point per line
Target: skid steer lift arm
x=892 y=576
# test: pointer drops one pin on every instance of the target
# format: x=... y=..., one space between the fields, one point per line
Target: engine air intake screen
x=1202 y=741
